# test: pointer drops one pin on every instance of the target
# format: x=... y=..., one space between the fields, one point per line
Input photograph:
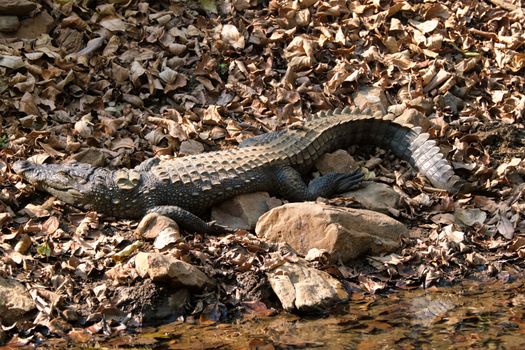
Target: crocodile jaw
x=68 y=182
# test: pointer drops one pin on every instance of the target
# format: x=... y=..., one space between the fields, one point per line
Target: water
x=474 y=315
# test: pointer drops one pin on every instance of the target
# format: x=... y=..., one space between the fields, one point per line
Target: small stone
x=339 y=161
x=190 y=147
x=17 y=7
x=305 y=289
x=15 y=301
x=376 y=196
x=345 y=233
x=316 y=254
x=9 y=24
x=170 y=270
x=241 y=212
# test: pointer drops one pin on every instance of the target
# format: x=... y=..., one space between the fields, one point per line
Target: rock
x=155 y=226
x=371 y=97
x=17 y=7
x=375 y=196
x=15 y=301
x=315 y=254
x=9 y=24
x=32 y=28
x=170 y=270
x=305 y=289
x=345 y=233
x=243 y=211
x=414 y=117
x=190 y=147
x=339 y=161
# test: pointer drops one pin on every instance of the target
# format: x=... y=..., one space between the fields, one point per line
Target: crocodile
x=184 y=188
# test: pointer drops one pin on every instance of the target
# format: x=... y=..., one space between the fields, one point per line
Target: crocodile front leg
x=291 y=185
x=188 y=220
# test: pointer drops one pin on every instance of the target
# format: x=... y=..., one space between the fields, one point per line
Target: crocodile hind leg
x=291 y=185
x=188 y=220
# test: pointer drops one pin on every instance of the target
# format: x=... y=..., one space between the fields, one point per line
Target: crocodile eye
x=64 y=174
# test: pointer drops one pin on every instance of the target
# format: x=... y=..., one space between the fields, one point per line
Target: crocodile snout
x=22 y=166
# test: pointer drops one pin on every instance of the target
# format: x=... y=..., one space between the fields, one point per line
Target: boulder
x=15 y=301
x=345 y=233
x=375 y=196
x=241 y=212
x=305 y=289
x=170 y=270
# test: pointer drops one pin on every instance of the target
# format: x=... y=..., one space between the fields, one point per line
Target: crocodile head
x=77 y=184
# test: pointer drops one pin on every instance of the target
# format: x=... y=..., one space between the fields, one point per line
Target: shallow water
x=474 y=315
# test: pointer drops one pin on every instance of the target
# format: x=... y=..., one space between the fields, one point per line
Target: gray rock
x=191 y=147
x=243 y=211
x=305 y=289
x=170 y=270
x=375 y=196
x=345 y=233
x=15 y=301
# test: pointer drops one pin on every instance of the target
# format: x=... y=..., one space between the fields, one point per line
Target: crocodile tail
x=409 y=143
x=425 y=156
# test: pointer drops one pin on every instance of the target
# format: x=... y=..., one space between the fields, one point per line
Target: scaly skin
x=183 y=188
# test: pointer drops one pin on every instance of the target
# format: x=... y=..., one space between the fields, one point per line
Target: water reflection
x=474 y=315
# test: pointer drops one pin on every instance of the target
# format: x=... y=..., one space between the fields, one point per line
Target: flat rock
x=339 y=161
x=15 y=301
x=305 y=289
x=9 y=24
x=170 y=270
x=375 y=196
x=243 y=211
x=17 y=7
x=345 y=233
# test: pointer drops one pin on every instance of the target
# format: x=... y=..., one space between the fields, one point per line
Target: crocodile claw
x=216 y=229
x=349 y=181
